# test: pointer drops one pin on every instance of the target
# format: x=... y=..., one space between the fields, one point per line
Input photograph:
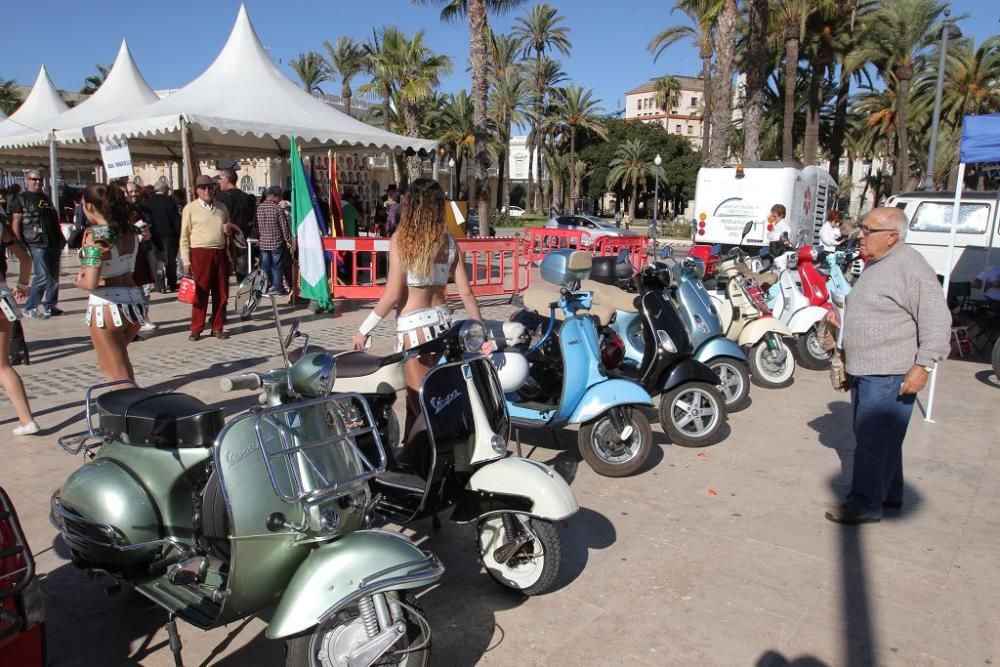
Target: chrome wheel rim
x=815 y=349
x=694 y=412
x=730 y=381
x=609 y=447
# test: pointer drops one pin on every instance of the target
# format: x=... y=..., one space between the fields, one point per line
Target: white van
x=976 y=243
x=724 y=202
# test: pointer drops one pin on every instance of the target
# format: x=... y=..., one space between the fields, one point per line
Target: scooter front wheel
x=606 y=451
x=520 y=552
x=734 y=382
x=332 y=643
x=693 y=414
x=771 y=369
x=811 y=353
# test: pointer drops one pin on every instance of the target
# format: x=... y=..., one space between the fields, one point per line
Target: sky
x=174 y=42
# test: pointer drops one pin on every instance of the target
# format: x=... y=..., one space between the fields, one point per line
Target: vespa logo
x=440 y=403
x=232 y=458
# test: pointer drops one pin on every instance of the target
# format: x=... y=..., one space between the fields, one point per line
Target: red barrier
x=494 y=266
x=541 y=240
x=612 y=245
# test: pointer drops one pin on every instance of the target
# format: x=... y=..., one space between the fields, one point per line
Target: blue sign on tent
x=980 y=139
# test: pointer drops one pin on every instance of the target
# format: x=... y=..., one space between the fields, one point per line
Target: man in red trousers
x=204 y=227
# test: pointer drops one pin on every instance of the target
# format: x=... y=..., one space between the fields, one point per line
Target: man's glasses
x=34 y=179
x=205 y=187
x=874 y=230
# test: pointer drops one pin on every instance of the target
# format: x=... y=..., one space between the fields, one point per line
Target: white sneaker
x=31 y=428
x=148 y=326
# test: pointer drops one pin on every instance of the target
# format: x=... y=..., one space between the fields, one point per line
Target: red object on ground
x=22 y=627
x=713 y=492
x=211 y=274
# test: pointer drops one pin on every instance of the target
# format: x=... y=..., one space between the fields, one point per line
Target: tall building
x=684 y=118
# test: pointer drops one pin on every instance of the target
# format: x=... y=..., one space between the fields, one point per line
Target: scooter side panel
x=719 y=347
x=757 y=329
x=689 y=370
x=806 y=318
x=551 y=496
x=336 y=574
x=608 y=394
x=578 y=344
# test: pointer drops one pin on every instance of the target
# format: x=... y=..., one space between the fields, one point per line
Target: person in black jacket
x=242 y=209
x=164 y=219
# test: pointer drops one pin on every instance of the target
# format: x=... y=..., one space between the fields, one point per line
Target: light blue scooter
x=565 y=381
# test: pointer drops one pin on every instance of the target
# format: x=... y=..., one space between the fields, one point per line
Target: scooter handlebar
x=244 y=382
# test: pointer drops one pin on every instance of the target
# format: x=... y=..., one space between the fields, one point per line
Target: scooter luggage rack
x=14 y=581
x=298 y=459
x=93 y=437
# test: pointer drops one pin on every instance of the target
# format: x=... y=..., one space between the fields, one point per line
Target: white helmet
x=512 y=368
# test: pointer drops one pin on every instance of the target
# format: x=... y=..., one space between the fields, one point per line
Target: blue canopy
x=980 y=139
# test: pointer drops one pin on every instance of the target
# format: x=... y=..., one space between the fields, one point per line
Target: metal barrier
x=612 y=245
x=539 y=241
x=494 y=266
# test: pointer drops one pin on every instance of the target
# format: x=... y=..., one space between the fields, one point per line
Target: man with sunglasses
x=896 y=327
x=204 y=228
x=36 y=223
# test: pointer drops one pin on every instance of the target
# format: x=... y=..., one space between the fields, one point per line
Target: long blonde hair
x=421 y=228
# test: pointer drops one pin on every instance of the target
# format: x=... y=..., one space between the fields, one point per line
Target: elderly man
x=204 y=227
x=896 y=327
x=36 y=222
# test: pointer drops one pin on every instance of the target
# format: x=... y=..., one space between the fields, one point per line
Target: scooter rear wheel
x=603 y=449
x=693 y=414
x=346 y=631
x=765 y=371
x=735 y=382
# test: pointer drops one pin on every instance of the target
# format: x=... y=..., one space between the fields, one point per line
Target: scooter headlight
x=700 y=323
x=666 y=342
x=498 y=444
x=472 y=335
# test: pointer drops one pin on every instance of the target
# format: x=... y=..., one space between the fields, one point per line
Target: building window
x=677 y=129
x=694 y=100
x=246 y=184
x=690 y=130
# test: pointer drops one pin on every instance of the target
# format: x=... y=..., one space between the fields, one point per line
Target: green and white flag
x=307 y=226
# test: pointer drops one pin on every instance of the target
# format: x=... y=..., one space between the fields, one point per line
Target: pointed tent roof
x=42 y=103
x=124 y=90
x=244 y=105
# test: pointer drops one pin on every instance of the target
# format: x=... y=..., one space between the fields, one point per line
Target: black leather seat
x=145 y=418
x=357 y=364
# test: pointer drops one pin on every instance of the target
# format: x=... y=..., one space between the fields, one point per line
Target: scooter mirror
x=764 y=252
x=746 y=228
x=293 y=332
x=249 y=293
x=717 y=249
x=666 y=252
x=623 y=256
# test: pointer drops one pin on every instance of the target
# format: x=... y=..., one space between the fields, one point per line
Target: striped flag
x=308 y=228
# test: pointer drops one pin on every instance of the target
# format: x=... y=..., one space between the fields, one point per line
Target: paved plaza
x=715 y=556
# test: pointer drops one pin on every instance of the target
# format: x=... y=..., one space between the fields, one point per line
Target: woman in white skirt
x=10 y=313
x=422 y=258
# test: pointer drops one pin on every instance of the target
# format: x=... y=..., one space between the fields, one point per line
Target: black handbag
x=18 y=346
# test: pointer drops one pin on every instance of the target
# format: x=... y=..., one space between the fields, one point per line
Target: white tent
x=980 y=144
x=243 y=106
x=42 y=103
x=124 y=90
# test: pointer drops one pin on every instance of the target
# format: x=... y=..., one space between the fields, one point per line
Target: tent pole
x=54 y=174
x=955 y=213
x=186 y=158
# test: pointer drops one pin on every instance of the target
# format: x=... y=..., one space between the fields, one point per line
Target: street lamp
x=451 y=177
x=948 y=30
x=656 y=195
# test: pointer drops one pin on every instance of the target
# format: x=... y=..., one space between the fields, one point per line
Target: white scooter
x=789 y=303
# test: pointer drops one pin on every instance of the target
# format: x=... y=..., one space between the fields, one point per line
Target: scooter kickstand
x=517 y=438
x=174 y=640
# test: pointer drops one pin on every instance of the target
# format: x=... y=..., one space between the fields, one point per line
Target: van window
x=936 y=217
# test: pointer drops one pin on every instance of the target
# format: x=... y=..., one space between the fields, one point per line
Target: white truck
x=725 y=201
x=977 y=242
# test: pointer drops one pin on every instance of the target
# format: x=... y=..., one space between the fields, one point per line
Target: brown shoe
x=194 y=337
x=849 y=515
x=221 y=335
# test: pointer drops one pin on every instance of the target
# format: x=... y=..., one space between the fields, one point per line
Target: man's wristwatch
x=929 y=369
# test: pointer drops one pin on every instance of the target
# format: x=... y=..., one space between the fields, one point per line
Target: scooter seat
x=367 y=374
x=145 y=418
x=356 y=364
x=606 y=295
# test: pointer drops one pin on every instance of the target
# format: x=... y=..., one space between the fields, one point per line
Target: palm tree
x=379 y=61
x=346 y=60
x=972 y=80
x=848 y=31
x=578 y=111
x=540 y=31
x=10 y=98
x=509 y=100
x=630 y=164
x=898 y=41
x=581 y=172
x=702 y=14
x=456 y=131
x=789 y=23
x=543 y=76
x=312 y=70
x=504 y=50
x=756 y=68
x=722 y=90
x=476 y=12
x=668 y=92
x=94 y=81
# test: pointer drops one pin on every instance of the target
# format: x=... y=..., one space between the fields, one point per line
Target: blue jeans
x=881 y=416
x=45 y=267
x=270 y=262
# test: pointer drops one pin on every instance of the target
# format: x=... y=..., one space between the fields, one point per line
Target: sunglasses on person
x=205 y=187
x=874 y=230
x=34 y=179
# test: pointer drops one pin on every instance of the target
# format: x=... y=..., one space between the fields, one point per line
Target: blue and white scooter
x=564 y=382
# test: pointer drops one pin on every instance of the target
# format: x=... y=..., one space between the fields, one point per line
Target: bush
x=678 y=228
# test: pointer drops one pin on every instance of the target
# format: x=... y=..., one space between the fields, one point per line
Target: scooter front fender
x=688 y=370
x=805 y=319
x=719 y=347
x=516 y=484
x=336 y=574
x=608 y=394
x=754 y=331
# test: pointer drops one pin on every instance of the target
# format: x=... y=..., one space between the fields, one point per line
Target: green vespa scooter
x=218 y=521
